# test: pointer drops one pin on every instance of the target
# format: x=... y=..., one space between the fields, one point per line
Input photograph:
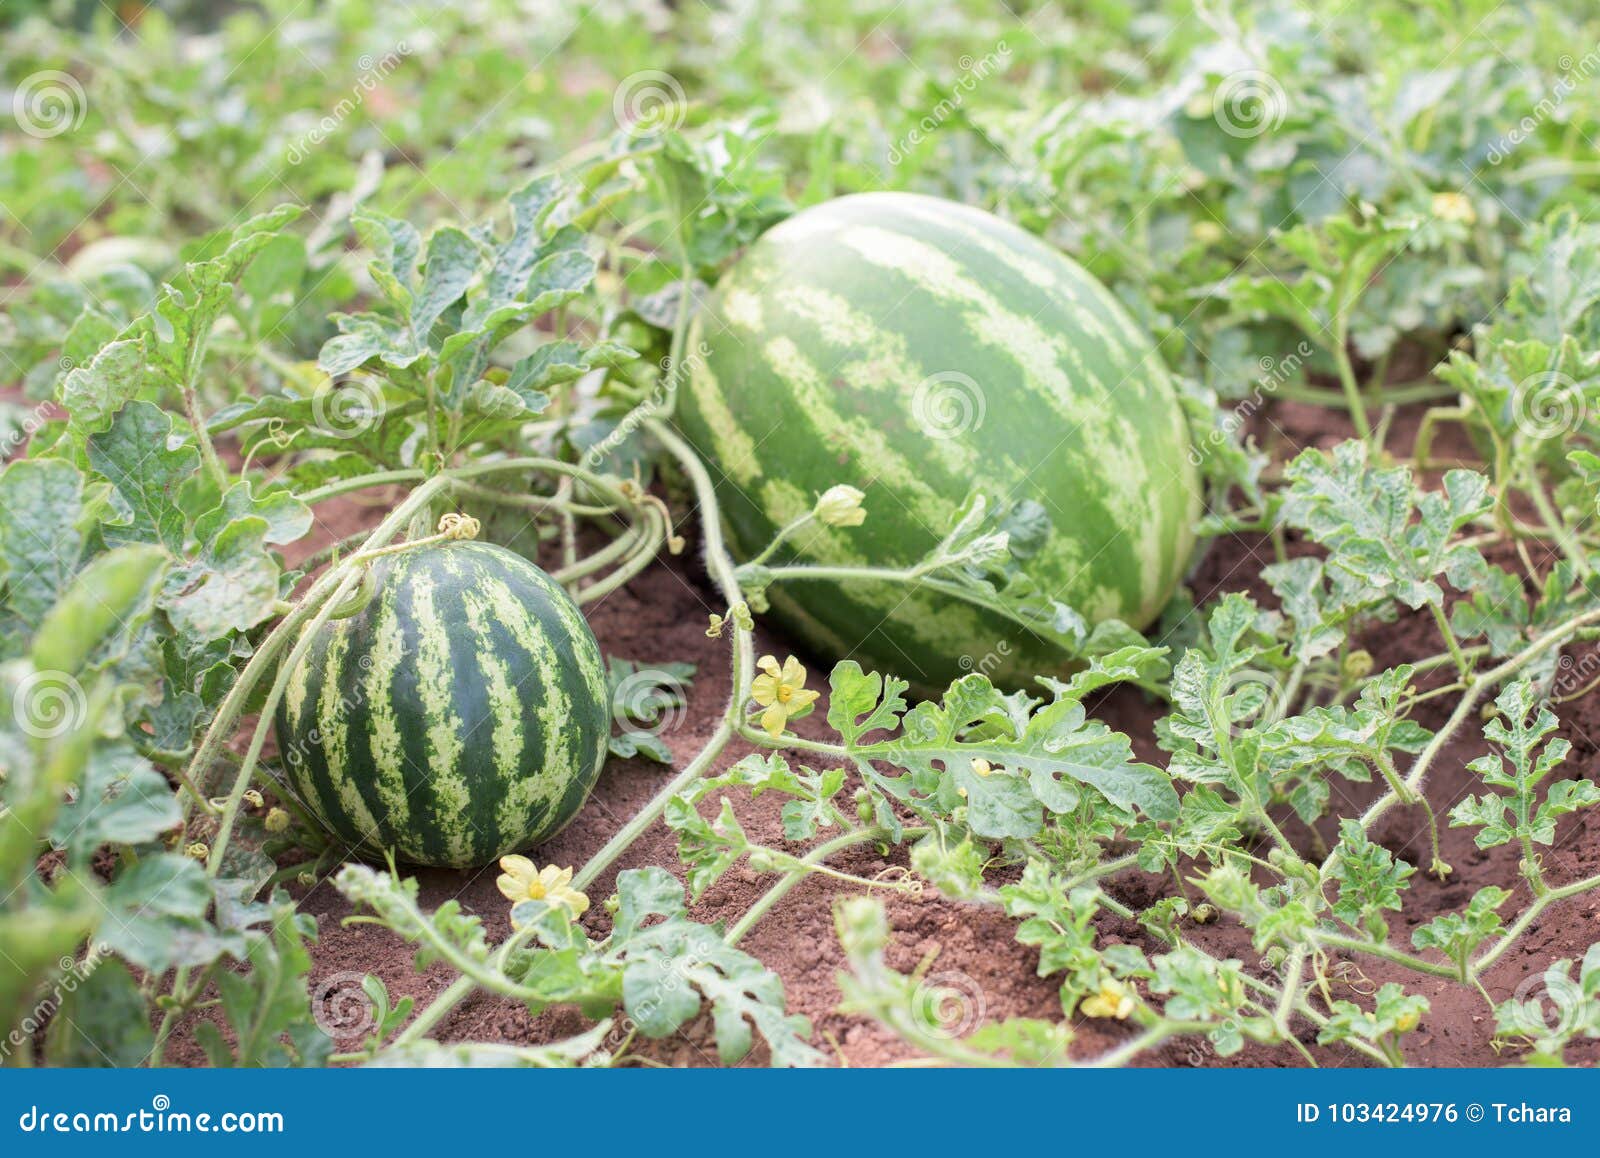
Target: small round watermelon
x=917 y=349
x=461 y=715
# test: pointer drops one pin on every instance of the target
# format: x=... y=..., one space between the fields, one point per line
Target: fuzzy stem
x=804 y=866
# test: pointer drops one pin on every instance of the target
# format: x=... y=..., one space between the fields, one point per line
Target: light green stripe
x=1080 y=398
x=735 y=450
x=508 y=737
x=872 y=448
x=555 y=707
x=885 y=364
x=335 y=725
x=442 y=725
x=386 y=655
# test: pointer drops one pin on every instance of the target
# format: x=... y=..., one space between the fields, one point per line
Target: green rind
x=461 y=715
x=812 y=354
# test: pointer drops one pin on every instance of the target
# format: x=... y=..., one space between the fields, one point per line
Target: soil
x=661 y=616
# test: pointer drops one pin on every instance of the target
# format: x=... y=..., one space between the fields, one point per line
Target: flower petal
x=764 y=689
x=519 y=866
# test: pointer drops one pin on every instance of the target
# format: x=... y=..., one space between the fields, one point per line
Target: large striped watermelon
x=460 y=715
x=916 y=348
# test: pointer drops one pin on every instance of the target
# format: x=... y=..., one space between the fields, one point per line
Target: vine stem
x=1570 y=543
x=1469 y=700
x=646 y=816
x=1529 y=915
x=1389 y=953
x=241 y=780
x=921 y=574
x=812 y=860
x=1450 y=641
x=1352 y=389
x=655 y=532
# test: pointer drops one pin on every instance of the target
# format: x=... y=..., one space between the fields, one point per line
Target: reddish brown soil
x=661 y=617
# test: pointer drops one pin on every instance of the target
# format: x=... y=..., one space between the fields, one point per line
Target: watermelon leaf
x=975 y=749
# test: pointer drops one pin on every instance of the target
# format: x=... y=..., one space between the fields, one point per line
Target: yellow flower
x=522 y=882
x=1114 y=1000
x=982 y=767
x=1454 y=207
x=840 y=506
x=782 y=691
x=277 y=820
x=1407 y=1021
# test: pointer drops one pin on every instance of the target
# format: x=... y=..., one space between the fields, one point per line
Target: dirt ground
x=661 y=616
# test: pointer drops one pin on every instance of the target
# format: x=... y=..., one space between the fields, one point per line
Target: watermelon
x=461 y=715
x=917 y=349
